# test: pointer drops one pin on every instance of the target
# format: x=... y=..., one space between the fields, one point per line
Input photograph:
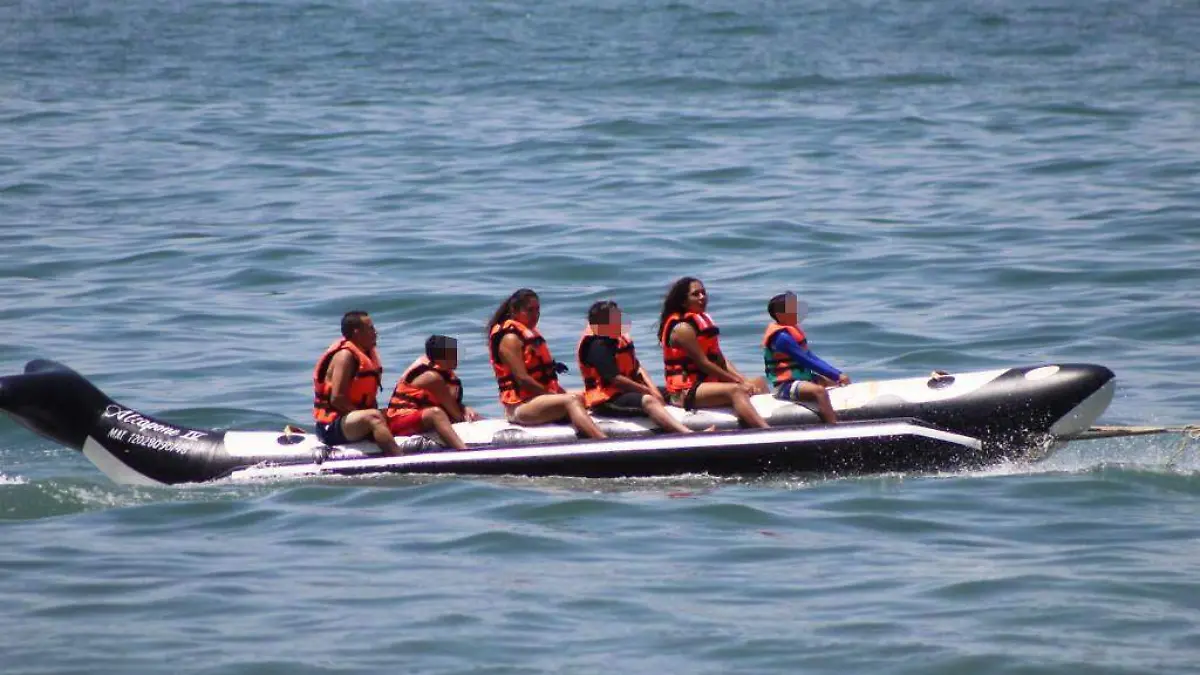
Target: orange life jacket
x=407 y=398
x=779 y=365
x=368 y=374
x=681 y=372
x=536 y=356
x=595 y=391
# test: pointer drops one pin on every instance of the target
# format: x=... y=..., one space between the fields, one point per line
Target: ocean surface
x=193 y=192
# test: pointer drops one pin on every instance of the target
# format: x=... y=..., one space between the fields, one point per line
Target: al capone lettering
x=144 y=425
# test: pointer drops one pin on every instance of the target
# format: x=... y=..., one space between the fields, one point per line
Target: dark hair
x=352 y=321
x=778 y=304
x=675 y=302
x=600 y=312
x=518 y=300
x=437 y=346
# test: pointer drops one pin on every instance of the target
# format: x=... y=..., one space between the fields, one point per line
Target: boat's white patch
x=911 y=390
x=1084 y=415
x=731 y=442
x=118 y=471
x=1041 y=373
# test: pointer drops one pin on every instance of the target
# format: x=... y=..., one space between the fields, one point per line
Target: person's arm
x=510 y=354
x=602 y=355
x=433 y=383
x=684 y=337
x=783 y=342
x=341 y=371
x=651 y=388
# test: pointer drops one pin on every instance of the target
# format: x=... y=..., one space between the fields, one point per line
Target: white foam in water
x=1175 y=453
x=6 y=479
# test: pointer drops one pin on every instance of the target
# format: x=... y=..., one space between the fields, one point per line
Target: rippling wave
x=194 y=192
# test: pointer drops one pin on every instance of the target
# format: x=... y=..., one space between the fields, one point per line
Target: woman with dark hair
x=698 y=374
x=526 y=373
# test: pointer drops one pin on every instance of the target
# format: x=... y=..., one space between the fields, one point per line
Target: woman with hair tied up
x=698 y=374
x=526 y=373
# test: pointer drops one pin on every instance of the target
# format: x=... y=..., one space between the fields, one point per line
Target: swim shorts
x=408 y=424
x=332 y=433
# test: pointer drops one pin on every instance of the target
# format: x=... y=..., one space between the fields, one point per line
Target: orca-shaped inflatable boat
x=943 y=422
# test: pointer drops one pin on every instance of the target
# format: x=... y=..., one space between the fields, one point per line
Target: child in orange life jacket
x=615 y=383
x=698 y=374
x=794 y=372
x=429 y=395
x=345 y=381
x=526 y=373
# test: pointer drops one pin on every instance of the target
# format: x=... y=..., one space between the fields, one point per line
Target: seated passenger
x=698 y=374
x=345 y=382
x=526 y=373
x=429 y=395
x=794 y=372
x=615 y=384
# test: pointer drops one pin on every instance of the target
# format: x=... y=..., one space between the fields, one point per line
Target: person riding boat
x=429 y=395
x=793 y=371
x=526 y=373
x=698 y=374
x=615 y=383
x=345 y=382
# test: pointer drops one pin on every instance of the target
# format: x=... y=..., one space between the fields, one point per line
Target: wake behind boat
x=915 y=424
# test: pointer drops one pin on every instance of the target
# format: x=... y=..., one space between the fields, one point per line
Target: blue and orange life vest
x=780 y=366
x=365 y=382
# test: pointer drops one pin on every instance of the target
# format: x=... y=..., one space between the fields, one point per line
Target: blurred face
x=529 y=314
x=366 y=336
x=697 y=297
x=788 y=315
x=446 y=358
x=612 y=327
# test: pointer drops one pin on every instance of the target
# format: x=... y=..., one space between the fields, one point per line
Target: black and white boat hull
x=917 y=424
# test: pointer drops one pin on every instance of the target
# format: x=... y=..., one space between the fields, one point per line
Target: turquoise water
x=191 y=193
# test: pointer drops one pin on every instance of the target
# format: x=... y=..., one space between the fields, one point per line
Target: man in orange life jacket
x=345 y=382
x=794 y=372
x=615 y=383
x=429 y=395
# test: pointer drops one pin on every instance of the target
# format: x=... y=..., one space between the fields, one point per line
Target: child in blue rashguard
x=794 y=372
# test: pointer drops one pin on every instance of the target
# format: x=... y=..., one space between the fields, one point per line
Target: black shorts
x=686 y=399
x=625 y=404
x=332 y=433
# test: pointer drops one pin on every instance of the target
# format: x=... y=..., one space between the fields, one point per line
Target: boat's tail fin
x=54 y=401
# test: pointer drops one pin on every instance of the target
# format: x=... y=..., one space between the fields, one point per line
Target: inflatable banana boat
x=941 y=422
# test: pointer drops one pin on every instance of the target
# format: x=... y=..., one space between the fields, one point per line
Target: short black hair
x=352 y=321
x=778 y=304
x=437 y=346
x=600 y=312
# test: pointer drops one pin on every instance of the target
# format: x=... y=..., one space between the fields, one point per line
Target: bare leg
x=439 y=421
x=715 y=394
x=363 y=423
x=815 y=392
x=552 y=408
x=659 y=414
